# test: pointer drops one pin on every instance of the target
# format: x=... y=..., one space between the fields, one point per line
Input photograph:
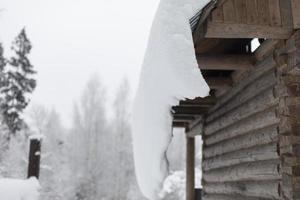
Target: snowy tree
x=55 y=170
x=90 y=148
x=18 y=83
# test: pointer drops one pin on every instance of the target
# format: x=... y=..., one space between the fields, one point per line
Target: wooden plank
x=263 y=12
x=286 y=13
x=217 y=15
x=252 y=14
x=254 y=171
x=254 y=105
x=261 y=189
x=255 y=122
x=229 y=11
x=227 y=30
x=241 y=11
x=225 y=62
x=261 y=69
x=256 y=153
x=275 y=15
x=296 y=13
x=190 y=168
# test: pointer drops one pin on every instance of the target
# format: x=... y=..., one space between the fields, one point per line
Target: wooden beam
x=233 y=30
x=187 y=110
x=296 y=13
x=210 y=100
x=225 y=62
x=34 y=158
x=190 y=168
x=219 y=82
x=265 y=49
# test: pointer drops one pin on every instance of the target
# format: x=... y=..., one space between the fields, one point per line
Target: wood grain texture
x=261 y=189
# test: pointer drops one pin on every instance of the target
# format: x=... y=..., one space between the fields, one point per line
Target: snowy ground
x=15 y=189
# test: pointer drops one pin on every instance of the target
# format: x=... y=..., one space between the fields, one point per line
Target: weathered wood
x=252 y=14
x=262 y=68
x=229 y=11
x=265 y=82
x=265 y=189
x=189 y=110
x=256 y=153
x=225 y=62
x=252 y=123
x=241 y=11
x=275 y=15
x=263 y=12
x=286 y=13
x=253 y=138
x=230 y=197
x=218 y=82
x=34 y=158
x=190 y=168
x=196 y=129
x=232 y=30
x=296 y=13
x=217 y=15
x=254 y=105
x=261 y=170
x=265 y=49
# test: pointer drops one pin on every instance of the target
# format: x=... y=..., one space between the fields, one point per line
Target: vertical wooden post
x=34 y=158
x=190 y=168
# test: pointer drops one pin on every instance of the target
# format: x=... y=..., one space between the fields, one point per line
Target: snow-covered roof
x=169 y=73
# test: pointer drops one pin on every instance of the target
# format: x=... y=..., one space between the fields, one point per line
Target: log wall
x=241 y=157
x=251 y=136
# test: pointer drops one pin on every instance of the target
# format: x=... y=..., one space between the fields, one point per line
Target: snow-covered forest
x=92 y=159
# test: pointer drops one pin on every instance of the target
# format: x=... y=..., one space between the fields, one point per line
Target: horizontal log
x=261 y=78
x=225 y=62
x=254 y=105
x=265 y=189
x=253 y=138
x=232 y=30
x=230 y=197
x=219 y=83
x=195 y=129
x=254 y=171
x=189 y=110
x=209 y=101
x=256 y=153
x=265 y=49
x=250 y=124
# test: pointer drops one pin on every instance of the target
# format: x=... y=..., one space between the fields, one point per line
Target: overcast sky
x=73 y=39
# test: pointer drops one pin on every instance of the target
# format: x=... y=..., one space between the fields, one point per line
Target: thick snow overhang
x=169 y=74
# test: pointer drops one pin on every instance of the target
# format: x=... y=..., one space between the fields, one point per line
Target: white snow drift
x=170 y=73
x=14 y=189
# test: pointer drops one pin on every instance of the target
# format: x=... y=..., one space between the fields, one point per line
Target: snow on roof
x=14 y=189
x=169 y=73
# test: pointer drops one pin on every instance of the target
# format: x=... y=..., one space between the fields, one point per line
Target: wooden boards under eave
x=296 y=13
x=253 y=19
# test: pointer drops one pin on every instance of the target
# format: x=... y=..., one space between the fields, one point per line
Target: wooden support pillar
x=34 y=158
x=190 y=168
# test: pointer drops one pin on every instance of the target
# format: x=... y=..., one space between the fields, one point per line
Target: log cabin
x=250 y=123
